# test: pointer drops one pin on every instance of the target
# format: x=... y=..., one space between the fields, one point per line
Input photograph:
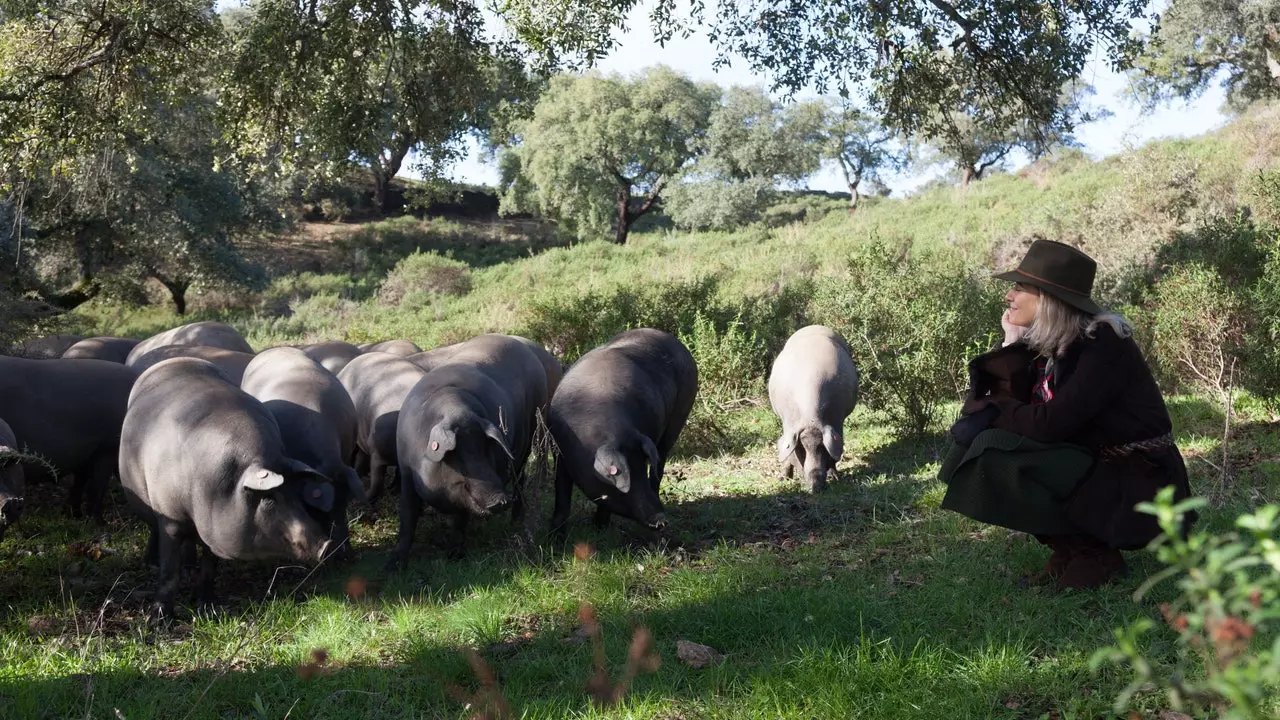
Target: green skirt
x=1006 y=479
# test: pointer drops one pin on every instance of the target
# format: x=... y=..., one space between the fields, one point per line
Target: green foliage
x=1262 y=340
x=1228 y=647
x=594 y=142
x=732 y=362
x=420 y=277
x=1199 y=41
x=1198 y=324
x=573 y=325
x=340 y=85
x=751 y=145
x=716 y=204
x=911 y=323
x=1010 y=63
x=859 y=145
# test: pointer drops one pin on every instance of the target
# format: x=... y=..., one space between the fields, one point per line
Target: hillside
x=1119 y=209
x=866 y=600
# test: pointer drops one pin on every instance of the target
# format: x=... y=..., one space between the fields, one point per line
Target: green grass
x=866 y=601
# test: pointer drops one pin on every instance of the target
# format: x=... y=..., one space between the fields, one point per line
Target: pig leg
x=206 y=596
x=103 y=469
x=152 y=554
x=377 y=477
x=458 y=538
x=564 y=494
x=170 y=552
x=788 y=469
x=602 y=517
x=410 y=511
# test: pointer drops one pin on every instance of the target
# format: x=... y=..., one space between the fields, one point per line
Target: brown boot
x=1057 y=562
x=1092 y=564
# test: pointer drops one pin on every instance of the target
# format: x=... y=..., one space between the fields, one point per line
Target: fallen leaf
x=695 y=655
x=1173 y=715
x=356 y=587
x=1012 y=704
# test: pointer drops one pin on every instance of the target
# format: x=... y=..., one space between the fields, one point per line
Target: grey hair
x=1057 y=325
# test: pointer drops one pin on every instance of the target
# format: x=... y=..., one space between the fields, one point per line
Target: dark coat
x=1103 y=396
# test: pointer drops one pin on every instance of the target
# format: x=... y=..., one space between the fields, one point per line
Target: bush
x=1197 y=328
x=573 y=325
x=731 y=363
x=1262 y=338
x=421 y=277
x=1228 y=650
x=911 y=323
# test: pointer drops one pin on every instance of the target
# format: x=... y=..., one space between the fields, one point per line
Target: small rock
x=695 y=655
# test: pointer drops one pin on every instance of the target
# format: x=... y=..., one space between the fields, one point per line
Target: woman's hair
x=1058 y=324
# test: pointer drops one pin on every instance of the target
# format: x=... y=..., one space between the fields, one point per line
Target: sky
x=1127 y=127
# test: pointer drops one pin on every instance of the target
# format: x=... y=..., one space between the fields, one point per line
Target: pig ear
x=496 y=435
x=318 y=494
x=441 y=440
x=261 y=479
x=832 y=441
x=613 y=468
x=787 y=445
x=655 y=460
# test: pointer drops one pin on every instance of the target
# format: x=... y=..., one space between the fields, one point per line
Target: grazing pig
x=69 y=413
x=202 y=461
x=45 y=348
x=813 y=387
x=316 y=418
x=618 y=411
x=403 y=348
x=378 y=384
x=230 y=362
x=206 y=334
x=332 y=355
x=11 y=485
x=112 y=349
x=464 y=435
x=552 y=368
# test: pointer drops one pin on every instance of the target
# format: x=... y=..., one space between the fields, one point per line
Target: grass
x=866 y=601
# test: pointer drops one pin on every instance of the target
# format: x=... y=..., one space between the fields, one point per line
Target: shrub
x=423 y=276
x=1197 y=327
x=1262 y=338
x=911 y=324
x=731 y=364
x=573 y=325
x=1228 y=650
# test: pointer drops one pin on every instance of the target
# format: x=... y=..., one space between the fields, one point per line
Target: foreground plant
x=1226 y=615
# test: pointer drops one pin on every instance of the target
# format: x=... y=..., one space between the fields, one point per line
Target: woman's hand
x=1012 y=333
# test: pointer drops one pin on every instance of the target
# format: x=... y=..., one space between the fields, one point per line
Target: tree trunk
x=853 y=198
x=624 y=215
x=177 y=290
x=380 y=182
x=384 y=170
x=969 y=174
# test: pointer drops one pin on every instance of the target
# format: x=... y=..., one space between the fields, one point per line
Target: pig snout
x=657 y=521
x=10 y=510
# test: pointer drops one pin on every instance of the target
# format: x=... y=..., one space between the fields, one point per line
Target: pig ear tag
x=263 y=480
x=435 y=445
x=613 y=469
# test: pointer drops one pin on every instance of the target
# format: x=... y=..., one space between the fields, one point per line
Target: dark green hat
x=1059 y=270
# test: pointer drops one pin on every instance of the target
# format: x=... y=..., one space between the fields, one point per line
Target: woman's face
x=1023 y=300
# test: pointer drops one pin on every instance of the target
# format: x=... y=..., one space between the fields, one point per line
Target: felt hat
x=1059 y=270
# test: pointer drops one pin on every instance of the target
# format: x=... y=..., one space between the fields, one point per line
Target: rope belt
x=1162 y=442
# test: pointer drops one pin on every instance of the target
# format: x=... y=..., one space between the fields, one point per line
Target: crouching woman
x=1064 y=429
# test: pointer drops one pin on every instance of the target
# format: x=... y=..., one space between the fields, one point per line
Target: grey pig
x=813 y=387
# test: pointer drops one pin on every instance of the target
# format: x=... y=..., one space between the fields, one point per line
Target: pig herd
x=241 y=455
